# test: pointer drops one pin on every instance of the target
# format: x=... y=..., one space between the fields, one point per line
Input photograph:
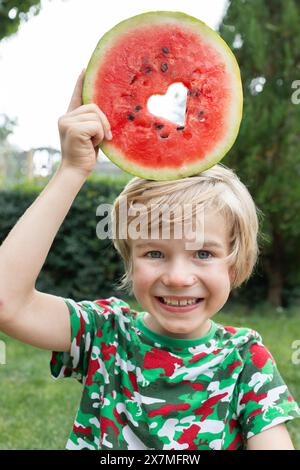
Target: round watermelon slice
x=143 y=56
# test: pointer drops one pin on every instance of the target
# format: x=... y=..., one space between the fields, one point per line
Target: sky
x=39 y=65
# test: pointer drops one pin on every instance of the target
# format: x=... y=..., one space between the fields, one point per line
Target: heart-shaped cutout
x=172 y=105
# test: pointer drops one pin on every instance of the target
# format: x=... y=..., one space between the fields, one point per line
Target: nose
x=178 y=274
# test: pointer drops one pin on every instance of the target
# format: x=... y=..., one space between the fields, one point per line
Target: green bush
x=79 y=264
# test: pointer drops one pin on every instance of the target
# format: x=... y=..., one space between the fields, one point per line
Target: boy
x=168 y=377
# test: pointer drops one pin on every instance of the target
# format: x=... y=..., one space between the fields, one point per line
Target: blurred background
x=43 y=47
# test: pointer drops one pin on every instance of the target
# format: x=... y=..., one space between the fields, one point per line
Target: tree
x=6 y=128
x=12 y=159
x=12 y=13
x=265 y=38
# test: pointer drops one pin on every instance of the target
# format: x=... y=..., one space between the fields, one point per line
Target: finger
x=83 y=118
x=88 y=130
x=93 y=108
x=76 y=99
x=92 y=117
x=98 y=137
x=106 y=125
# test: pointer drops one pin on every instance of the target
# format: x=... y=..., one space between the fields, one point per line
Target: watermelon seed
x=148 y=70
x=133 y=79
x=200 y=115
x=164 y=136
x=164 y=67
x=159 y=126
x=165 y=50
x=194 y=93
x=138 y=108
x=131 y=117
x=180 y=128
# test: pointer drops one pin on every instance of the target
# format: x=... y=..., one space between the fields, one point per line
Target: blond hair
x=218 y=188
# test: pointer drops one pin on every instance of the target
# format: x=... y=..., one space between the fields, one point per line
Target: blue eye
x=156 y=254
x=205 y=253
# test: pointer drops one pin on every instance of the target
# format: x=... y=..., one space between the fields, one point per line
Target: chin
x=178 y=331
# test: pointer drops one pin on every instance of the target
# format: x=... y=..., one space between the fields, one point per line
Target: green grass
x=37 y=412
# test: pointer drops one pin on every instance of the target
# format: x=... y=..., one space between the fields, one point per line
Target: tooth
x=180 y=302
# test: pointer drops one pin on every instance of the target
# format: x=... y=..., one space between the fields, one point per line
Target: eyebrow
x=212 y=243
x=148 y=244
x=155 y=243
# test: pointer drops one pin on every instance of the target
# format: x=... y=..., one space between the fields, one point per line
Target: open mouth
x=179 y=303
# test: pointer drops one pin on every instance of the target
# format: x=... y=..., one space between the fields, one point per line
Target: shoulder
x=238 y=336
x=94 y=314
x=111 y=305
x=247 y=342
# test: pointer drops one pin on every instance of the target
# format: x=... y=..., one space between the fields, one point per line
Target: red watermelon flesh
x=142 y=57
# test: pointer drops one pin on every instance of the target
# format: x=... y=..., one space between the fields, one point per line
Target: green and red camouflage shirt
x=142 y=390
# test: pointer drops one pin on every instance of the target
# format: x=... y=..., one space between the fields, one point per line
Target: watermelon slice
x=142 y=56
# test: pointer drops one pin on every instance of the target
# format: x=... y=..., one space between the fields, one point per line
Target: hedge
x=79 y=264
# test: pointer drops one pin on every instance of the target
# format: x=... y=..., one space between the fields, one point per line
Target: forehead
x=214 y=223
x=210 y=231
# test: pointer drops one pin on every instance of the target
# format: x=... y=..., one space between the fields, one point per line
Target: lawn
x=37 y=412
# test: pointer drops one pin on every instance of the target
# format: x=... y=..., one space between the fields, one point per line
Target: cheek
x=218 y=279
x=143 y=274
x=142 y=281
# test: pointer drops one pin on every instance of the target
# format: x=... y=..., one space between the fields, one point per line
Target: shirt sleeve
x=263 y=398
x=85 y=322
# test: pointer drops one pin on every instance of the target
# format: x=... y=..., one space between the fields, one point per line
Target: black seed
x=165 y=50
x=148 y=70
x=138 y=108
x=159 y=126
x=200 y=114
x=194 y=93
x=164 y=136
x=131 y=117
x=180 y=128
x=164 y=67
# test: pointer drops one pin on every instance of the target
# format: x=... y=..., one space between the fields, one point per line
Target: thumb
x=76 y=99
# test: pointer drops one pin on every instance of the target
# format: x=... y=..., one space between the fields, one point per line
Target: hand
x=81 y=131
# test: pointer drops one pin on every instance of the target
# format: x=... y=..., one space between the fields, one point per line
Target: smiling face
x=165 y=272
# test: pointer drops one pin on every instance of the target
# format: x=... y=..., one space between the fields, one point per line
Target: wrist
x=73 y=172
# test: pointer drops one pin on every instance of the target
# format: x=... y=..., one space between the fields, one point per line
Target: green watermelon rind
x=235 y=114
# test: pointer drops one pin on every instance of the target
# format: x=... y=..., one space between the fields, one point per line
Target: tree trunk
x=274 y=269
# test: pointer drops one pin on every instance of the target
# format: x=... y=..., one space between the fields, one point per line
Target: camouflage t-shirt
x=142 y=390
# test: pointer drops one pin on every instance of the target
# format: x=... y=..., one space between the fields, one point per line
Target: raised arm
x=31 y=316
x=275 y=438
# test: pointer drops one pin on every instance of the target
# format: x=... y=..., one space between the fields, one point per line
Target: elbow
x=1 y=306
x=4 y=314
